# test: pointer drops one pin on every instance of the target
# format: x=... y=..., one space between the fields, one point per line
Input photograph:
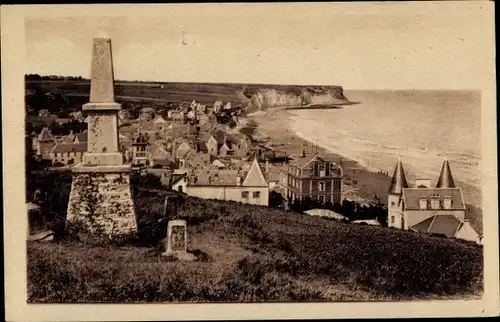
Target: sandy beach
x=273 y=127
x=361 y=185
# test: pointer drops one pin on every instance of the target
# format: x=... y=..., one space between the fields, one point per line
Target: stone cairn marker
x=101 y=199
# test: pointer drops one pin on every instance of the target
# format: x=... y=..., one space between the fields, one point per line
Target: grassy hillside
x=252 y=253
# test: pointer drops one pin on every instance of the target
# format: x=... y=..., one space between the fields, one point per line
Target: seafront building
x=423 y=208
x=315 y=178
x=235 y=185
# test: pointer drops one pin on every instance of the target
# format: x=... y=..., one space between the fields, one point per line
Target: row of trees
x=55 y=128
x=36 y=77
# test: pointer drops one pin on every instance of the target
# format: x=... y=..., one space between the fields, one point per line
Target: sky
x=358 y=46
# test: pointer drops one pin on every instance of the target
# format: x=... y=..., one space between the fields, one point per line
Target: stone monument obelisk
x=101 y=199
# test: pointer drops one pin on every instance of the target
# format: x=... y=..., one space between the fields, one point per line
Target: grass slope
x=251 y=253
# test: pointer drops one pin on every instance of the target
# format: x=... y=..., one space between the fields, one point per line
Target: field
x=205 y=93
x=250 y=254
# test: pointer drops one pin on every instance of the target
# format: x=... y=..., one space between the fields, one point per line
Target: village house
x=159 y=123
x=436 y=210
x=77 y=116
x=191 y=114
x=179 y=117
x=234 y=185
x=215 y=142
x=181 y=147
x=179 y=182
x=70 y=150
x=196 y=161
x=140 y=155
x=160 y=155
x=201 y=108
x=202 y=118
x=217 y=106
x=145 y=117
x=68 y=153
x=315 y=178
x=148 y=110
x=44 y=143
x=218 y=163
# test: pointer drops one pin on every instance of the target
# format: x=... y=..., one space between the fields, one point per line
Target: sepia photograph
x=253 y=153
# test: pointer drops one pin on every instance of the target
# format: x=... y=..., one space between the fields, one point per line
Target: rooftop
x=69 y=147
x=447 y=225
x=412 y=197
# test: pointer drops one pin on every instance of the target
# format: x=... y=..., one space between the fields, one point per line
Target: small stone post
x=176 y=244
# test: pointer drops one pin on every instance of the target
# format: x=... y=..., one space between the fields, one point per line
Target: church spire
x=445 y=178
x=398 y=179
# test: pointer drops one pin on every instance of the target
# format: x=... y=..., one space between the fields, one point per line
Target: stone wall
x=101 y=204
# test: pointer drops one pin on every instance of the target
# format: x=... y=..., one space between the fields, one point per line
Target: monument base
x=100 y=202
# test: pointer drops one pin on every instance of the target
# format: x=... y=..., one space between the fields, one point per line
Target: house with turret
x=438 y=210
x=44 y=143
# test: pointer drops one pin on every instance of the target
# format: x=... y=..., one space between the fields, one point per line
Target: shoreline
x=273 y=127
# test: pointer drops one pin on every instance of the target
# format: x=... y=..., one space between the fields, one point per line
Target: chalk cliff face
x=296 y=96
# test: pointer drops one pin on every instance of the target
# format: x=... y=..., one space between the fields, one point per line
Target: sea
x=420 y=127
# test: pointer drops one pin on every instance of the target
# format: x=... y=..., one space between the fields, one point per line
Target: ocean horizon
x=422 y=127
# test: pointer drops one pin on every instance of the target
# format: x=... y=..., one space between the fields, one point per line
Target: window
x=435 y=203
x=447 y=202
x=321 y=199
x=423 y=203
x=322 y=171
x=244 y=194
x=336 y=185
x=321 y=186
x=256 y=194
x=393 y=219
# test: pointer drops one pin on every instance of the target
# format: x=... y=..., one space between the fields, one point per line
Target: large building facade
x=424 y=208
x=313 y=177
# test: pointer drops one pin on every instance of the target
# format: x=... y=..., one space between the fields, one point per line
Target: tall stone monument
x=101 y=200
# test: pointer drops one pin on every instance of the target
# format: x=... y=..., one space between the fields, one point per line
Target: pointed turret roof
x=255 y=176
x=45 y=135
x=398 y=179
x=445 y=178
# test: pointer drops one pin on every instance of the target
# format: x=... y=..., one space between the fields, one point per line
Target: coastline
x=273 y=127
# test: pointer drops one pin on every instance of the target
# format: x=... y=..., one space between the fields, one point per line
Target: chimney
x=102 y=87
x=238 y=178
x=267 y=167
